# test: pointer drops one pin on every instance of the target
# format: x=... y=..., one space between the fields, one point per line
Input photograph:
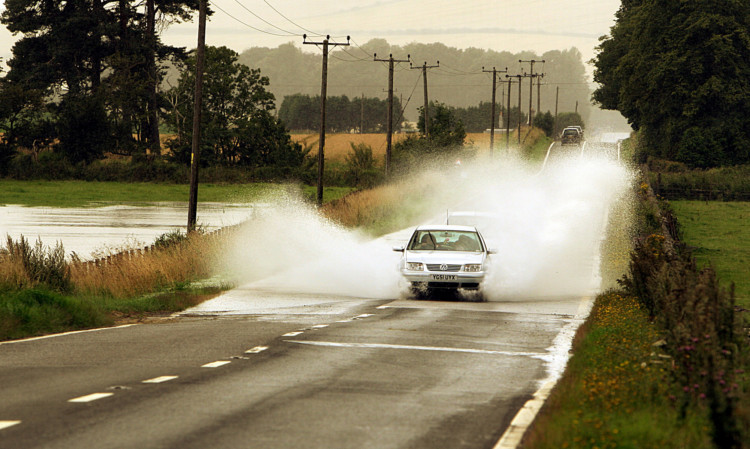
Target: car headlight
x=473 y=267
x=415 y=266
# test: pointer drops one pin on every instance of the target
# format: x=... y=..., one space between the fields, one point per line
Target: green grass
x=613 y=393
x=83 y=193
x=39 y=311
x=720 y=235
x=538 y=151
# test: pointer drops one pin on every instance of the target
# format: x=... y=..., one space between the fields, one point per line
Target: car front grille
x=443 y=267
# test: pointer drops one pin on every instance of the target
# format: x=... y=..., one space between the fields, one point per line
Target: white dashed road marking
x=6 y=424
x=160 y=379
x=291 y=334
x=419 y=348
x=319 y=326
x=256 y=350
x=216 y=364
x=91 y=397
x=364 y=315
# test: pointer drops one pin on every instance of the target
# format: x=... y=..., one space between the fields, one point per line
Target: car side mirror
x=399 y=249
x=492 y=251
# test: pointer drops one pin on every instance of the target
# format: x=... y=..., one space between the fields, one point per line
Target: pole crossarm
x=389 y=127
x=323 y=89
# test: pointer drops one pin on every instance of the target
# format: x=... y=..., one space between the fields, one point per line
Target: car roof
x=446 y=228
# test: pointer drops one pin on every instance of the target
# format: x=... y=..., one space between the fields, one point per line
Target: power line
x=290 y=20
x=264 y=20
x=248 y=25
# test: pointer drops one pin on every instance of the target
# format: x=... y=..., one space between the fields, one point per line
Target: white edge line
x=418 y=348
x=292 y=334
x=256 y=350
x=160 y=379
x=91 y=397
x=216 y=364
x=513 y=435
x=42 y=337
x=547 y=156
x=6 y=424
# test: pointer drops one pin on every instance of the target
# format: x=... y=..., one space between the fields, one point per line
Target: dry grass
x=142 y=271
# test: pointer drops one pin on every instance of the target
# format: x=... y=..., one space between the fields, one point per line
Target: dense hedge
x=703 y=330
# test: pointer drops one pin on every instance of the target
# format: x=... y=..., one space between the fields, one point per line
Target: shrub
x=703 y=332
x=27 y=266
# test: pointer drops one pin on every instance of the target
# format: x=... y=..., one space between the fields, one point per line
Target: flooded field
x=94 y=231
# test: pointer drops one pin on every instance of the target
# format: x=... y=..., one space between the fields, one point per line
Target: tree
x=445 y=141
x=546 y=122
x=107 y=49
x=678 y=71
x=238 y=127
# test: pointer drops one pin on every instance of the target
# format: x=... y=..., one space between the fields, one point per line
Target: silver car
x=444 y=257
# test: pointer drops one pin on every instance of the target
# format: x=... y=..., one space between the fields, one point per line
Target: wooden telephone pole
x=389 y=127
x=507 y=112
x=323 y=90
x=519 y=102
x=200 y=58
x=492 y=119
x=531 y=75
x=426 y=102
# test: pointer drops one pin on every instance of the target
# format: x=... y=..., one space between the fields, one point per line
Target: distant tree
x=361 y=169
x=566 y=119
x=546 y=122
x=237 y=127
x=444 y=141
x=446 y=131
x=678 y=71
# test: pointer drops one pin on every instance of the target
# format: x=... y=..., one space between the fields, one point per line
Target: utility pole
x=507 y=113
x=200 y=60
x=492 y=119
x=426 y=103
x=323 y=89
x=362 y=114
x=389 y=126
x=539 y=93
x=557 y=98
x=519 y=103
x=531 y=76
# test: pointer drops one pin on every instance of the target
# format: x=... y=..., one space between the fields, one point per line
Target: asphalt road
x=312 y=372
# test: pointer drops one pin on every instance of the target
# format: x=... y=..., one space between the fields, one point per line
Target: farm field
x=339 y=145
x=719 y=235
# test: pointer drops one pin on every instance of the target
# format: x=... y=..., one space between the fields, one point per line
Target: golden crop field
x=339 y=145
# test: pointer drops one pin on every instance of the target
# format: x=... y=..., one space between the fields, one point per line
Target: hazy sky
x=512 y=25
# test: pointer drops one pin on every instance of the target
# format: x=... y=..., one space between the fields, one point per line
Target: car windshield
x=431 y=240
x=570 y=132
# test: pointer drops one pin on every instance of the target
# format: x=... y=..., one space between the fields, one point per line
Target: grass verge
x=614 y=392
x=85 y=193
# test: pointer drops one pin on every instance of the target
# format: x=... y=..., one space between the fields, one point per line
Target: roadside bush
x=702 y=330
x=25 y=266
x=361 y=169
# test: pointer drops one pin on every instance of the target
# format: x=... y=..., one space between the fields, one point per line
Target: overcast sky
x=512 y=25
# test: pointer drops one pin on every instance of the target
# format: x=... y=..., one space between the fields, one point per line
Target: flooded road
x=94 y=231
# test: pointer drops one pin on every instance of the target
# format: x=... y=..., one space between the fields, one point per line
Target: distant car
x=571 y=136
x=444 y=257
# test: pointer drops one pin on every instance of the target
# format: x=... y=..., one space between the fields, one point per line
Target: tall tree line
x=359 y=114
x=679 y=72
x=459 y=81
x=86 y=73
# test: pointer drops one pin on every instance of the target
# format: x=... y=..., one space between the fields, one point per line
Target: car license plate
x=443 y=277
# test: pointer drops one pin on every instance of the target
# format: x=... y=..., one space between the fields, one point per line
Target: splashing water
x=546 y=227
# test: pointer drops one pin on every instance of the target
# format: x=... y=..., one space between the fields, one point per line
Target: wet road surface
x=310 y=372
